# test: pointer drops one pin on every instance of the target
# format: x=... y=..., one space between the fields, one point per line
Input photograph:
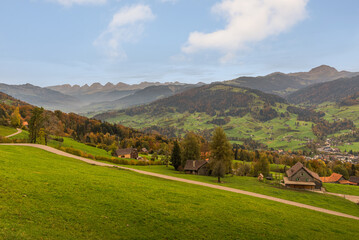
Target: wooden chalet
x=334 y=178
x=127 y=153
x=198 y=167
x=300 y=177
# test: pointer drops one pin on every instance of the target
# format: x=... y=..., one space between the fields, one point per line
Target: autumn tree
x=191 y=148
x=15 y=118
x=341 y=170
x=176 y=156
x=36 y=123
x=221 y=154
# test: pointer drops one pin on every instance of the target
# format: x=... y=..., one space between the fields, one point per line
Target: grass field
x=23 y=135
x=253 y=185
x=6 y=131
x=279 y=133
x=342 y=189
x=69 y=142
x=44 y=196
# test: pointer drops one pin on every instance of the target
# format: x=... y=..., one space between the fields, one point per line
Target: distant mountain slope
x=333 y=91
x=38 y=96
x=98 y=87
x=140 y=97
x=212 y=99
x=283 y=84
x=323 y=73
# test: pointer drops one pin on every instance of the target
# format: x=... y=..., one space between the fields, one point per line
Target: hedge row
x=109 y=159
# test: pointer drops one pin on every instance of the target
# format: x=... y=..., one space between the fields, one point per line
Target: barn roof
x=293 y=170
x=335 y=177
x=194 y=164
x=124 y=151
x=354 y=179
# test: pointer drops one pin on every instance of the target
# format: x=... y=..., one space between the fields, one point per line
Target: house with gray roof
x=300 y=177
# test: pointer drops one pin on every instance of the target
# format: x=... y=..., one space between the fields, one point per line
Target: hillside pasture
x=45 y=196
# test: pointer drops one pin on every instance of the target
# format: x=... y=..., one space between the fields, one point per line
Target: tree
x=221 y=154
x=15 y=118
x=341 y=170
x=236 y=153
x=261 y=165
x=36 y=123
x=191 y=148
x=176 y=156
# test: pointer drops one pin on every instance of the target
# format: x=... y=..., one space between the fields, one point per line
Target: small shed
x=127 y=153
x=198 y=167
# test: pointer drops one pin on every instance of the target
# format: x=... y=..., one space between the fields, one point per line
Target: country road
x=14 y=134
x=58 y=152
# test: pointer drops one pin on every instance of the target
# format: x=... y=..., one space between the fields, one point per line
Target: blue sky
x=51 y=42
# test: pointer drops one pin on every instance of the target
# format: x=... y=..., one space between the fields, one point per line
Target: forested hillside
x=334 y=91
x=90 y=131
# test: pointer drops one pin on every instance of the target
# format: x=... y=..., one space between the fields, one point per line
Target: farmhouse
x=198 y=167
x=334 y=178
x=127 y=153
x=301 y=177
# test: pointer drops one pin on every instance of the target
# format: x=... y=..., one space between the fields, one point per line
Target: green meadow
x=70 y=143
x=6 y=131
x=45 y=196
x=342 y=189
x=269 y=188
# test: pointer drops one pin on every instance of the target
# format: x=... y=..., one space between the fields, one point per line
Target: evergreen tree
x=176 y=156
x=191 y=148
x=221 y=154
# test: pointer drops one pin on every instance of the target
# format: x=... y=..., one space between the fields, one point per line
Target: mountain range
x=300 y=87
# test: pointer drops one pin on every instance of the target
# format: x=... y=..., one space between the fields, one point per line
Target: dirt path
x=352 y=198
x=14 y=134
x=58 y=152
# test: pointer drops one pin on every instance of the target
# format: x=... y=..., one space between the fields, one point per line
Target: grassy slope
x=284 y=133
x=69 y=142
x=342 y=189
x=251 y=184
x=23 y=135
x=6 y=131
x=52 y=197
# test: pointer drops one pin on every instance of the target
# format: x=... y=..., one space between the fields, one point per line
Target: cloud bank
x=69 y=3
x=247 y=21
x=127 y=25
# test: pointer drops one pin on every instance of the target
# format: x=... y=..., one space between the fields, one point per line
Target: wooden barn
x=198 y=167
x=300 y=177
x=127 y=153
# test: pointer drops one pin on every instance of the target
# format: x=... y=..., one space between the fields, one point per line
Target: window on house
x=297 y=179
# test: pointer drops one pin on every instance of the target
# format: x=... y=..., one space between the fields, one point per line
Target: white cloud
x=127 y=25
x=168 y=1
x=248 y=21
x=69 y=3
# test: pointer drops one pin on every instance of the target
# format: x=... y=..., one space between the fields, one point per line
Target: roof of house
x=124 y=151
x=194 y=164
x=354 y=179
x=293 y=170
x=347 y=182
x=335 y=177
x=287 y=181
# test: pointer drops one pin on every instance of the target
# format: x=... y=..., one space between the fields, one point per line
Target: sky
x=52 y=42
